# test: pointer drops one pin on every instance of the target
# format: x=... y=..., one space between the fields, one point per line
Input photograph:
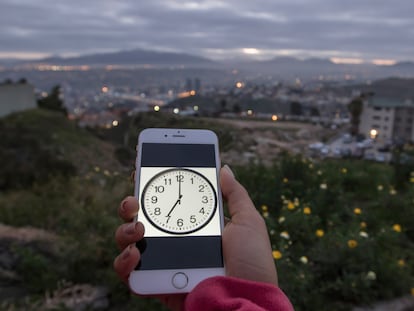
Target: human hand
x=246 y=245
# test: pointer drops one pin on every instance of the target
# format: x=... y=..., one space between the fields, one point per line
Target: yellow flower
x=363 y=224
x=97 y=169
x=352 y=243
x=285 y=180
x=265 y=214
x=319 y=233
x=323 y=186
x=401 y=263
x=363 y=234
x=319 y=172
x=357 y=211
x=380 y=187
x=106 y=173
x=412 y=291
x=307 y=210
x=281 y=219
x=277 y=255
x=311 y=165
x=264 y=208
x=393 y=191
x=291 y=205
x=303 y=260
x=396 y=228
x=344 y=170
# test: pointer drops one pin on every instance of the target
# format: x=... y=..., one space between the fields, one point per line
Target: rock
x=402 y=304
x=78 y=297
x=10 y=238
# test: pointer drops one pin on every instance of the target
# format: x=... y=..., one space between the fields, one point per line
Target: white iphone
x=177 y=185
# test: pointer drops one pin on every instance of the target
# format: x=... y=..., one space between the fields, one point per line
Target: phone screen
x=179 y=207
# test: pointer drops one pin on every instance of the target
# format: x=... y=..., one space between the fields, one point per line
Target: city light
x=115 y=123
x=157 y=108
x=176 y=110
x=249 y=112
x=274 y=117
x=105 y=89
x=373 y=133
x=192 y=92
x=239 y=85
x=195 y=108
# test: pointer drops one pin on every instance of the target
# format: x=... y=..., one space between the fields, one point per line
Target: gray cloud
x=213 y=28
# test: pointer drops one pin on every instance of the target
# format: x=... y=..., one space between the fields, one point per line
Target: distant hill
x=131 y=57
x=282 y=67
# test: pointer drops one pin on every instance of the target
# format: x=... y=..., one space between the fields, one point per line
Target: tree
x=355 y=108
x=53 y=101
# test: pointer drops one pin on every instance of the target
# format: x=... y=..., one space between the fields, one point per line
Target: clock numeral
x=180 y=178
x=201 y=211
x=180 y=222
x=167 y=181
x=168 y=218
x=192 y=180
x=193 y=219
x=157 y=211
x=159 y=189
x=201 y=188
x=204 y=199
x=154 y=199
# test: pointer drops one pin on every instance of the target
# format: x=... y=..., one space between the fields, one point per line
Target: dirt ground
x=264 y=140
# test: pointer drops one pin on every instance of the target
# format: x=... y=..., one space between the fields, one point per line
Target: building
x=16 y=97
x=388 y=120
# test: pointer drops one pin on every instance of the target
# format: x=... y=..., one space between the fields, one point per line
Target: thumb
x=234 y=193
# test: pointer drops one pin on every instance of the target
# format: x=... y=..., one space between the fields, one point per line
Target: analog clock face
x=179 y=201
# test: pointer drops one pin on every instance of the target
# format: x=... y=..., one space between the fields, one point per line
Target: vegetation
x=342 y=234
x=53 y=101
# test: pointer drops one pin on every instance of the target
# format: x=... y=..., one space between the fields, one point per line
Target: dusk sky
x=346 y=30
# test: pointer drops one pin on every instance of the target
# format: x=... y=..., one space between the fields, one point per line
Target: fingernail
x=123 y=205
x=226 y=167
x=126 y=253
x=130 y=228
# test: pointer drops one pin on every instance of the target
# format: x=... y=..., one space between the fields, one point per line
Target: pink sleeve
x=227 y=293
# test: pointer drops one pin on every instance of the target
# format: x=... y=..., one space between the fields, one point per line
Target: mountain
x=131 y=57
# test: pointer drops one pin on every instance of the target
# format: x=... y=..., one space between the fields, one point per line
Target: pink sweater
x=227 y=293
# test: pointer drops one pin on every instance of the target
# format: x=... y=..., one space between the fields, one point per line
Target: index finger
x=128 y=208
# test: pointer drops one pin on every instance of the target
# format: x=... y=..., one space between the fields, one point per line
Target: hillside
x=38 y=144
x=342 y=232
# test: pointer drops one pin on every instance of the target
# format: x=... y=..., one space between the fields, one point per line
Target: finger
x=129 y=233
x=126 y=262
x=234 y=193
x=128 y=208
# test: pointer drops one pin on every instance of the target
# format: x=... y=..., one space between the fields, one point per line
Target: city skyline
x=378 y=32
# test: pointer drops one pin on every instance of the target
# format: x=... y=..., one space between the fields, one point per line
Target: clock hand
x=175 y=204
x=179 y=189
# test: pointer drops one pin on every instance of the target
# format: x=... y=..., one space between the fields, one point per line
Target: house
x=16 y=97
x=387 y=119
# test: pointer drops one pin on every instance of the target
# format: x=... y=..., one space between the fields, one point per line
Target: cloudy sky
x=348 y=30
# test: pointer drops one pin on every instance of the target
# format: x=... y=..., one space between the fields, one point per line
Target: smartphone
x=177 y=186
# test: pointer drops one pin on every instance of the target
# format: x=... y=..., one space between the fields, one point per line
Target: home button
x=179 y=280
